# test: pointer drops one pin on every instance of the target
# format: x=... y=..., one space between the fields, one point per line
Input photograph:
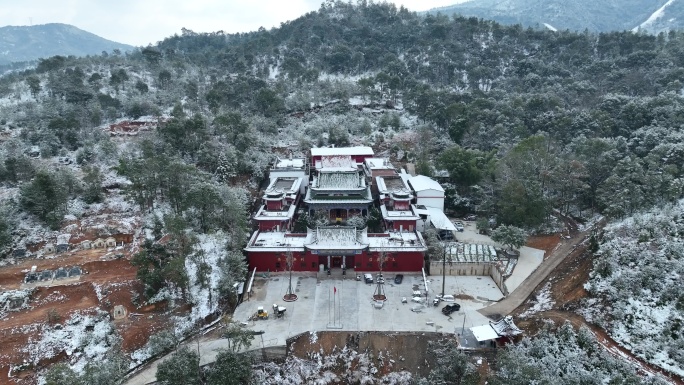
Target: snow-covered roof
x=440 y=220
x=290 y=163
x=335 y=237
x=336 y=162
x=391 y=184
x=484 y=333
x=392 y=215
x=363 y=201
x=505 y=327
x=501 y=328
x=328 y=151
x=422 y=183
x=339 y=180
x=397 y=241
x=275 y=241
x=378 y=164
x=270 y=215
x=361 y=197
x=469 y=252
x=287 y=185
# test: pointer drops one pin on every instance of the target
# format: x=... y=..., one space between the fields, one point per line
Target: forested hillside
x=521 y=123
x=597 y=116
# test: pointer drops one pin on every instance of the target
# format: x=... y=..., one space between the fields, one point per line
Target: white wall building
x=429 y=192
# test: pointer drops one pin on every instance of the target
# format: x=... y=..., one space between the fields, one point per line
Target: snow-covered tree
x=563 y=357
x=181 y=368
x=227 y=166
x=230 y=368
x=510 y=236
x=452 y=366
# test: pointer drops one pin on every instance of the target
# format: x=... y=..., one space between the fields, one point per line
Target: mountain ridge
x=604 y=16
x=26 y=43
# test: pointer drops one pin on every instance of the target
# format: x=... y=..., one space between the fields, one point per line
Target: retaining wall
x=390 y=351
x=472 y=268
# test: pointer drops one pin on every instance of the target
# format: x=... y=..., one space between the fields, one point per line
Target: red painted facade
x=271 y=261
x=273 y=225
x=399 y=225
x=366 y=261
x=274 y=205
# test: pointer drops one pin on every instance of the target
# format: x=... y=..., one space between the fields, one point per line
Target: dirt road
x=575 y=242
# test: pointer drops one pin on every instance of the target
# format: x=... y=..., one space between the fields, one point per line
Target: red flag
x=334 y=290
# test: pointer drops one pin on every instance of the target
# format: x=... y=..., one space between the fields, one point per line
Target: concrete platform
x=529 y=259
x=352 y=308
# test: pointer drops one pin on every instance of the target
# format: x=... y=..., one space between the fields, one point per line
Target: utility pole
x=463 y=328
x=443 y=269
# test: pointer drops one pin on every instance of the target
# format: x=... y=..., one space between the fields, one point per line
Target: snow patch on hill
x=550 y=27
x=653 y=18
x=543 y=302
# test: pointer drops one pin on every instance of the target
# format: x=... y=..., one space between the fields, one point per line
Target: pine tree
x=226 y=167
x=182 y=368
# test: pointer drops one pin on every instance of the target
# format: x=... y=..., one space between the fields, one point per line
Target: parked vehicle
x=450 y=308
x=445 y=235
x=261 y=314
x=368 y=278
x=398 y=278
x=459 y=226
x=279 y=311
x=471 y=217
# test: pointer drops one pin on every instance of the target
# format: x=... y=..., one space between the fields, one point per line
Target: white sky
x=139 y=22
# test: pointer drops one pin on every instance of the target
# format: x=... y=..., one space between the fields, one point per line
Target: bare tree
x=289 y=296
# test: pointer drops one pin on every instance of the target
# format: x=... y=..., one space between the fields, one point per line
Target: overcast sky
x=139 y=22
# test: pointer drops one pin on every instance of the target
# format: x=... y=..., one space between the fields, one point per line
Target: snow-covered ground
x=343 y=366
x=203 y=290
x=637 y=285
x=84 y=337
x=542 y=302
